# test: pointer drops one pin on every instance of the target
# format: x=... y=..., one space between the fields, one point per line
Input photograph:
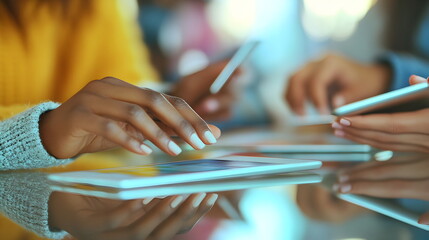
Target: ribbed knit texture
x=20 y=143
x=24 y=199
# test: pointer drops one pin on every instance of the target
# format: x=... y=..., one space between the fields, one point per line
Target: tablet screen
x=202 y=165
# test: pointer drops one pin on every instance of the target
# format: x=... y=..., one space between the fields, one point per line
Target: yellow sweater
x=57 y=50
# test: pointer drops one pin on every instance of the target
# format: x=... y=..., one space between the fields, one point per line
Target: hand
x=96 y=218
x=319 y=204
x=404 y=131
x=395 y=178
x=335 y=81
x=194 y=89
x=109 y=112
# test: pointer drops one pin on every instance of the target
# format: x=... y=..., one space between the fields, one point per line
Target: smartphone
x=410 y=98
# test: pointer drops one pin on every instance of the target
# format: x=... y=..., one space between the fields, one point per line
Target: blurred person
x=52 y=51
x=334 y=80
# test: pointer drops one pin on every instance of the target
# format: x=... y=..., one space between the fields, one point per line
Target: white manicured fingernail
x=145 y=149
x=146 y=201
x=343 y=178
x=210 y=137
x=335 y=187
x=212 y=200
x=197 y=201
x=196 y=141
x=345 y=188
x=176 y=201
x=345 y=122
x=174 y=148
x=337 y=125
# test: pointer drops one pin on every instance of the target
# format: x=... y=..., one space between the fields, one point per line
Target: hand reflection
x=318 y=203
x=25 y=198
x=396 y=178
x=96 y=218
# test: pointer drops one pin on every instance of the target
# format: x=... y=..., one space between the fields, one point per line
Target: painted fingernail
x=176 y=201
x=212 y=200
x=339 y=133
x=335 y=187
x=146 y=149
x=210 y=137
x=211 y=105
x=196 y=141
x=345 y=188
x=345 y=122
x=174 y=148
x=146 y=201
x=343 y=178
x=337 y=125
x=197 y=201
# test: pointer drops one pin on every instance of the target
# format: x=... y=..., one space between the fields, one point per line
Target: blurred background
x=186 y=35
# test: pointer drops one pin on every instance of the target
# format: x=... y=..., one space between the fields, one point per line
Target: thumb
x=424 y=219
x=414 y=79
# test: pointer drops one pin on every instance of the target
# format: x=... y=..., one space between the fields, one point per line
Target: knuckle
x=94 y=84
x=134 y=111
x=109 y=126
x=155 y=98
x=178 y=102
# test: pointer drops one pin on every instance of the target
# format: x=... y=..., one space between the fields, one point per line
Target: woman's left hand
x=396 y=178
x=402 y=131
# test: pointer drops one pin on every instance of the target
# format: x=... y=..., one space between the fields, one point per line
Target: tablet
x=383 y=206
x=386 y=207
x=296 y=148
x=190 y=187
x=184 y=171
x=405 y=99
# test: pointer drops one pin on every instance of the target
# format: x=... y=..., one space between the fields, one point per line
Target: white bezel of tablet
x=385 y=100
x=121 y=180
x=189 y=188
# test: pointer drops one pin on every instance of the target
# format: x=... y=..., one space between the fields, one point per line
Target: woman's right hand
x=335 y=81
x=109 y=112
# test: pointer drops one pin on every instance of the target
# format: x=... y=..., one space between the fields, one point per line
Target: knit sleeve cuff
x=24 y=199
x=20 y=143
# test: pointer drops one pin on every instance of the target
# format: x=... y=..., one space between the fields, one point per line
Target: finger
x=421 y=140
x=402 y=122
x=414 y=79
x=144 y=226
x=114 y=218
x=215 y=103
x=160 y=107
x=204 y=208
x=380 y=145
x=111 y=131
x=424 y=219
x=295 y=92
x=389 y=170
x=201 y=132
x=415 y=189
x=319 y=84
x=176 y=221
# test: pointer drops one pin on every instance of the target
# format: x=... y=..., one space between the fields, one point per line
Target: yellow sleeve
x=127 y=56
x=106 y=41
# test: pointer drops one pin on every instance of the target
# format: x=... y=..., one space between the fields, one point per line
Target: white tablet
x=386 y=207
x=190 y=187
x=296 y=148
x=405 y=99
x=184 y=171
